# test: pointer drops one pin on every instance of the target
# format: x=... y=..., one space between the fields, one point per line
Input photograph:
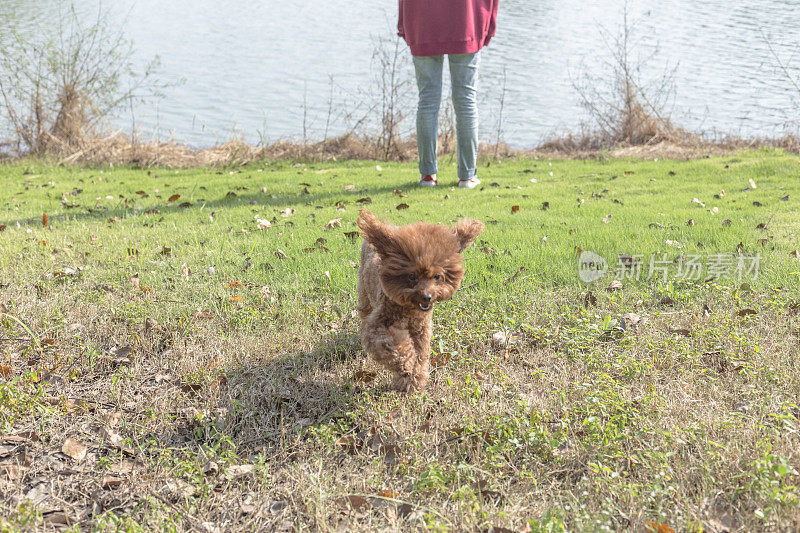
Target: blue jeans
x=464 y=80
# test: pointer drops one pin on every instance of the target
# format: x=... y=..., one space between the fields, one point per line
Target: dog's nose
x=426 y=298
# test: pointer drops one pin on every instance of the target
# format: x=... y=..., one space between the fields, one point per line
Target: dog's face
x=421 y=263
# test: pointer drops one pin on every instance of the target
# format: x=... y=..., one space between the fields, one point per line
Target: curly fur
x=404 y=271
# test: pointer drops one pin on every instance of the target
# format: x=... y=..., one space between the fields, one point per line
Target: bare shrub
x=624 y=107
x=394 y=90
x=58 y=84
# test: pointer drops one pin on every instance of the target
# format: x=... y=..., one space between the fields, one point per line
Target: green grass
x=213 y=368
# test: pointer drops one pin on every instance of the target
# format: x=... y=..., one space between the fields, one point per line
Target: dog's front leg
x=393 y=348
x=405 y=363
x=422 y=357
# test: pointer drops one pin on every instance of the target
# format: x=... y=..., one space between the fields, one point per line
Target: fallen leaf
x=280 y=254
x=287 y=212
x=399 y=193
x=205 y=315
x=3 y=227
x=111 y=482
x=545 y=206
x=173 y=198
x=402 y=206
x=794 y=310
x=365 y=376
x=74 y=449
x=607 y=219
x=190 y=388
x=238 y=471
x=347 y=441
x=785 y=198
x=349 y=187
x=589 y=299
x=499 y=340
x=387 y=493
x=746 y=312
x=186 y=270
x=440 y=359
x=5 y=371
x=235 y=284
x=514 y=208
x=236 y=299
x=166 y=251
x=11 y=472
x=627 y=261
x=615 y=285
x=707 y=310
x=354 y=502
x=122 y=356
x=55 y=518
x=335 y=223
x=28 y=434
x=630 y=320
x=45 y=220
x=351 y=234
x=134 y=281
x=365 y=200
x=653 y=527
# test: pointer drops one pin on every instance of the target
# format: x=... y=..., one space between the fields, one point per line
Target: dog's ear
x=466 y=230
x=377 y=233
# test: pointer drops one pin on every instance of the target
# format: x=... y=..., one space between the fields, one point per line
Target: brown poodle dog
x=404 y=271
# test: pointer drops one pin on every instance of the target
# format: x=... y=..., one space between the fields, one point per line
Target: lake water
x=272 y=70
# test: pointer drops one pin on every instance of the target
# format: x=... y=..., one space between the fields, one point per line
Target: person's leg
x=464 y=79
x=429 y=82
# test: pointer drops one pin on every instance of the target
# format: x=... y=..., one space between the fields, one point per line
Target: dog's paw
x=409 y=383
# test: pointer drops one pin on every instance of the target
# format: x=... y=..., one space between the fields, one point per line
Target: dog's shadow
x=270 y=404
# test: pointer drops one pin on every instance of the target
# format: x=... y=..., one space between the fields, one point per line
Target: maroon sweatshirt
x=436 y=27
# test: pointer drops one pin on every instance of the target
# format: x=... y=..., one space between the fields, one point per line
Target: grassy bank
x=192 y=332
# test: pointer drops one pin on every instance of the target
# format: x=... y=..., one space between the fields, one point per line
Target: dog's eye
x=412 y=277
x=437 y=277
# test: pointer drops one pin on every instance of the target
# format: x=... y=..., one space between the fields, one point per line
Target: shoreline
x=119 y=149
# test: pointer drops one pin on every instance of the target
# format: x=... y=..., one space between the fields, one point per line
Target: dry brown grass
x=118 y=149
